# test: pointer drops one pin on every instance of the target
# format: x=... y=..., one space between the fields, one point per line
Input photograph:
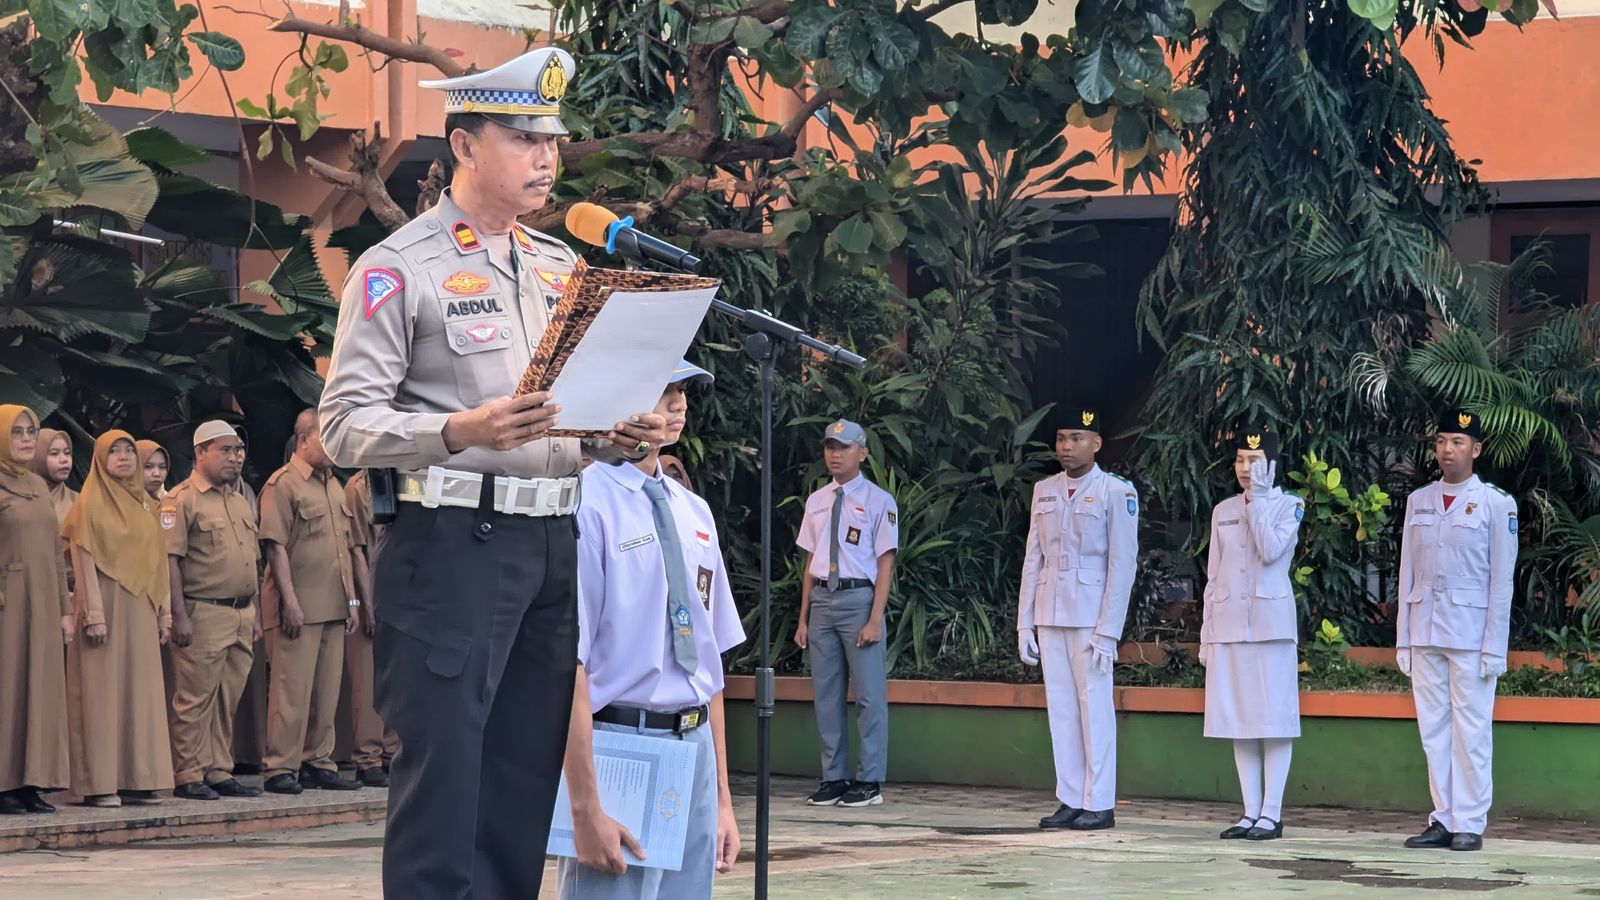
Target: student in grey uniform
x=850 y=533
x=648 y=553
x=1458 y=554
x=1248 y=637
x=477 y=634
x=1077 y=573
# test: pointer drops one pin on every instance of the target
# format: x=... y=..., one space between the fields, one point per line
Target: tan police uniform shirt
x=212 y=531
x=432 y=322
x=306 y=513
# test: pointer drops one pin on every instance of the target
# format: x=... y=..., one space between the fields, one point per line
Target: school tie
x=833 y=539
x=678 y=620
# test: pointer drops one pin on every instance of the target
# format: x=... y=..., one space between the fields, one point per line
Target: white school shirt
x=869 y=526
x=624 y=639
x=1457 y=567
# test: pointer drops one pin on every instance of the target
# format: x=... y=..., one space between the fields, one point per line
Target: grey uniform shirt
x=431 y=322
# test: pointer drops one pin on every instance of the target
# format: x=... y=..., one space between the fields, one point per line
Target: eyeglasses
x=24 y=431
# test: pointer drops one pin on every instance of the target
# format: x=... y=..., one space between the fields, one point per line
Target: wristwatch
x=354 y=602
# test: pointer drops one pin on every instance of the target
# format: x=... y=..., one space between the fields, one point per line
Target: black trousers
x=474 y=658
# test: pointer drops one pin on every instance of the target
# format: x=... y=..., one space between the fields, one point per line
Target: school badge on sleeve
x=379 y=285
x=1133 y=503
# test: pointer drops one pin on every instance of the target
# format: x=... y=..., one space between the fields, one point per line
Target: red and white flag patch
x=380 y=284
x=704 y=537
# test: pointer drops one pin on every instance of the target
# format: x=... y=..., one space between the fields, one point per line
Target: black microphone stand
x=761 y=344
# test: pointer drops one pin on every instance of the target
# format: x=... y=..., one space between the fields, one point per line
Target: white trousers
x=1455 y=713
x=1083 y=725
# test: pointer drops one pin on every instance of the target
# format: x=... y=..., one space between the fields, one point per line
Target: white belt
x=512 y=496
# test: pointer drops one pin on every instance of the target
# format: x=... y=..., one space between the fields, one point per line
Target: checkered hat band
x=527 y=103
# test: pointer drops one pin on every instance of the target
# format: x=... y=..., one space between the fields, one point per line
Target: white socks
x=1253 y=757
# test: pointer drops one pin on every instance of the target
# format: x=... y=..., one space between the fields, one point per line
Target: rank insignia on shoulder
x=169 y=520
x=522 y=238
x=465 y=282
x=555 y=281
x=1511 y=522
x=379 y=285
x=466 y=239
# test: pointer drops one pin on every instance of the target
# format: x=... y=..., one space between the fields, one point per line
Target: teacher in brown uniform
x=476 y=645
x=308 y=604
x=212 y=556
x=373 y=743
x=35 y=623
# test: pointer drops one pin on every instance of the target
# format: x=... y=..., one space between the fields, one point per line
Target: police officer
x=648 y=552
x=1077 y=573
x=212 y=558
x=850 y=534
x=1250 y=630
x=1458 y=554
x=309 y=605
x=477 y=630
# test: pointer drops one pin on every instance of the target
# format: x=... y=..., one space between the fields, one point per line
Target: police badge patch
x=379 y=285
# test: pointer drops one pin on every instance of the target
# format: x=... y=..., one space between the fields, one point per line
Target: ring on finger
x=642 y=447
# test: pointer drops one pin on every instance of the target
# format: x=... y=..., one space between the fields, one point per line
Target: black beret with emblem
x=1252 y=438
x=1460 y=421
x=1071 y=418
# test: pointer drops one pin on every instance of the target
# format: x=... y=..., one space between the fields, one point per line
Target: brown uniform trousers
x=305 y=512
x=362 y=736
x=211 y=530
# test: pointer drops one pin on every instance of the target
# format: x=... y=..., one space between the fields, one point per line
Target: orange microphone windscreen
x=588 y=223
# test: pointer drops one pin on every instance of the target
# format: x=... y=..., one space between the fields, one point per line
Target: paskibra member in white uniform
x=1250 y=630
x=1077 y=573
x=1458 y=554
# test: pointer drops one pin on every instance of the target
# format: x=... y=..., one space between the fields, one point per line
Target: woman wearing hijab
x=35 y=621
x=53 y=462
x=1248 y=636
x=154 y=465
x=118 y=711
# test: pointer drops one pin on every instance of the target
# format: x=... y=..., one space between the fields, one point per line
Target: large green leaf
x=158 y=147
x=224 y=52
x=1096 y=74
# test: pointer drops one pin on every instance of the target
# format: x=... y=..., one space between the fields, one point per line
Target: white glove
x=1402 y=658
x=1491 y=666
x=1028 y=646
x=1205 y=654
x=1105 y=652
x=1262 y=474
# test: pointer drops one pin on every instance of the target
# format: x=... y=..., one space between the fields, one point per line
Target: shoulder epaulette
x=542 y=238
x=277 y=475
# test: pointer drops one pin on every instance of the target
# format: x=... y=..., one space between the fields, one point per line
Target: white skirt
x=1253 y=690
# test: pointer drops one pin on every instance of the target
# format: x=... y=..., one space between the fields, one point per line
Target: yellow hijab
x=147 y=449
x=9 y=414
x=61 y=496
x=114 y=520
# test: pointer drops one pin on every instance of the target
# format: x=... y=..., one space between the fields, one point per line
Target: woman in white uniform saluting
x=1247 y=640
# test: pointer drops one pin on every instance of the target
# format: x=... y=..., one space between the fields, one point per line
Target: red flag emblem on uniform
x=482 y=334
x=380 y=285
x=555 y=281
x=465 y=282
x=704 y=537
x=466 y=238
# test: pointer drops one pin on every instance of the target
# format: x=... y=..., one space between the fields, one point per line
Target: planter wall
x=1368 y=656
x=1356 y=750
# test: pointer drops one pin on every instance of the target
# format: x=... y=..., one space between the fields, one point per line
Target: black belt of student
x=684 y=720
x=230 y=602
x=845 y=584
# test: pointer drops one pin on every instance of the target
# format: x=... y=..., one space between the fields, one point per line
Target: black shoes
x=373 y=777
x=232 y=788
x=1061 y=818
x=1466 y=840
x=326 y=780
x=1436 y=837
x=1237 y=832
x=1258 y=832
x=195 y=790
x=862 y=793
x=829 y=794
x=283 y=783
x=31 y=801
x=11 y=804
x=1094 y=820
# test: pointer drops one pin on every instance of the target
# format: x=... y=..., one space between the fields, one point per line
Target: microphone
x=594 y=224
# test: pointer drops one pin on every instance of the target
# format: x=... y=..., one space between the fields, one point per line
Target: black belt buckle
x=687 y=720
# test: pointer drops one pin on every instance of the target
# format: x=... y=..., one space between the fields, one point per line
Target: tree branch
x=928 y=12
x=364 y=179
x=816 y=101
x=353 y=33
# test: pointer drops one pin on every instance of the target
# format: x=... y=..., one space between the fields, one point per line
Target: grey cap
x=689 y=373
x=211 y=430
x=845 y=432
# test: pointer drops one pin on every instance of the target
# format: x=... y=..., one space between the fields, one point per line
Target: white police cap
x=524 y=93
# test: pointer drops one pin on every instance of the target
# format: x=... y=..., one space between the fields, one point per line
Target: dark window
x=1567 y=282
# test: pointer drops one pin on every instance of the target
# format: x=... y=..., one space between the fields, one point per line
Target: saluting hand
x=502 y=424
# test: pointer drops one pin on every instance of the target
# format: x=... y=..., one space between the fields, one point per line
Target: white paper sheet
x=646 y=784
x=627 y=356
